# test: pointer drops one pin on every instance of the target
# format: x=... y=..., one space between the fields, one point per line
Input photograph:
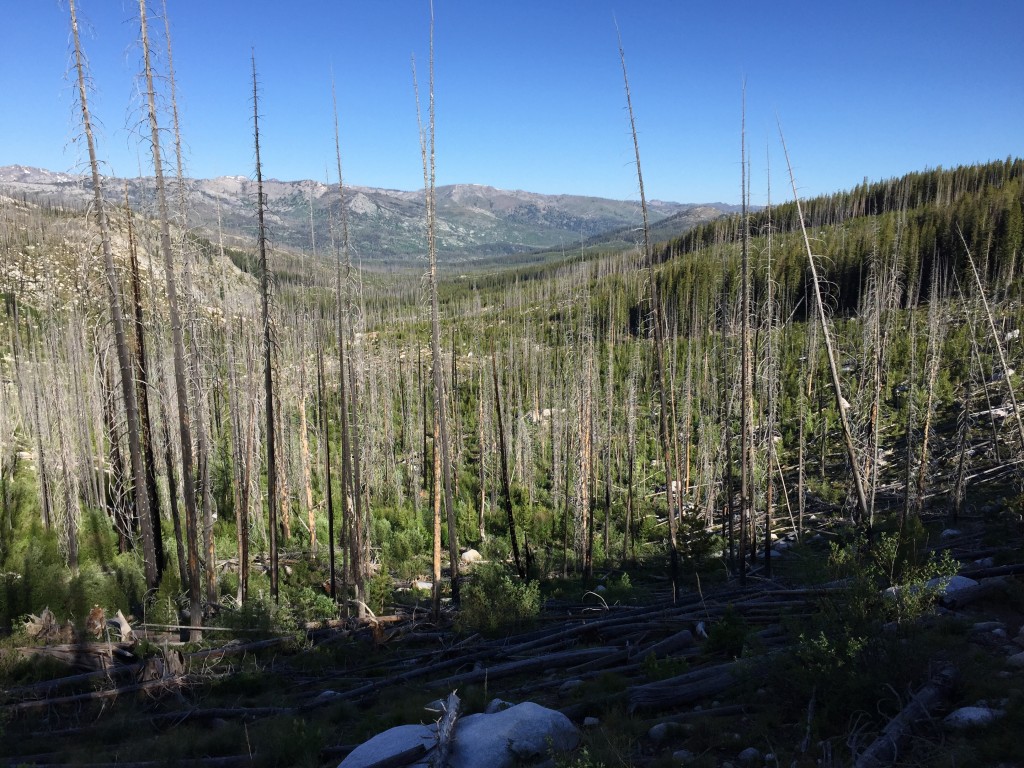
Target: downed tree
x=885 y=749
x=684 y=689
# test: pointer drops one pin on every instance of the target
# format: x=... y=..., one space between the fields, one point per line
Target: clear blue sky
x=529 y=92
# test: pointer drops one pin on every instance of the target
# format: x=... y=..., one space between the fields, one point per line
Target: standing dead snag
x=268 y=376
x=198 y=392
x=665 y=430
x=428 y=155
x=120 y=342
x=506 y=488
x=841 y=404
x=746 y=362
x=177 y=340
x=350 y=444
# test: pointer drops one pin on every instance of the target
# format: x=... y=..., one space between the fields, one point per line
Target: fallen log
x=85 y=656
x=885 y=749
x=996 y=570
x=548 y=661
x=111 y=693
x=683 y=689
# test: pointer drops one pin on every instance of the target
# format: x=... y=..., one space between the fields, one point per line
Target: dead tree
x=268 y=375
x=665 y=431
x=177 y=340
x=141 y=496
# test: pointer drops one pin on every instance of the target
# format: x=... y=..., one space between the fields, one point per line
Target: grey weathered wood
x=885 y=749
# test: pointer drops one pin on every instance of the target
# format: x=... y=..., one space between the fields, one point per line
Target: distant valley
x=387 y=227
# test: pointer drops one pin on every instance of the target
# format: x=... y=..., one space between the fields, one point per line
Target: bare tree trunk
x=436 y=585
x=141 y=497
x=841 y=404
x=665 y=432
x=506 y=488
x=143 y=393
x=936 y=333
x=268 y=376
x=328 y=489
x=181 y=390
x=351 y=524
x=482 y=495
x=746 y=366
x=995 y=339
x=427 y=150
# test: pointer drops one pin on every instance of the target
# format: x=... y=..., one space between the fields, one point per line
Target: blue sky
x=529 y=92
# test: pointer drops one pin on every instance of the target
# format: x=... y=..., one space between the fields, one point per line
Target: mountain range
x=385 y=226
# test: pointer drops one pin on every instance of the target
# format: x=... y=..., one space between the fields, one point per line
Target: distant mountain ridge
x=385 y=226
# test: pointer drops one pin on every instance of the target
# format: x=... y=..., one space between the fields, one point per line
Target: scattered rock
x=985 y=562
x=950 y=533
x=750 y=756
x=682 y=755
x=1017 y=660
x=591 y=722
x=661 y=731
x=471 y=556
x=971 y=717
x=987 y=626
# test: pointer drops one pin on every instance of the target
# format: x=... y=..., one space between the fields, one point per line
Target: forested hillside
x=796 y=403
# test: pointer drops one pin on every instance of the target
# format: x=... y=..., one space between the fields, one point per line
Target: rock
x=945 y=585
x=750 y=756
x=950 y=533
x=324 y=696
x=391 y=742
x=987 y=626
x=497 y=705
x=971 y=717
x=682 y=755
x=951 y=584
x=591 y=722
x=661 y=731
x=512 y=737
x=471 y=556
x=1017 y=660
x=985 y=562
x=425 y=586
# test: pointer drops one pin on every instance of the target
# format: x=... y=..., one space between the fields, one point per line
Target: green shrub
x=380 y=590
x=493 y=601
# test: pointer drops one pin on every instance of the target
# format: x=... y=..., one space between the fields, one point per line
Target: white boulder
x=517 y=736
